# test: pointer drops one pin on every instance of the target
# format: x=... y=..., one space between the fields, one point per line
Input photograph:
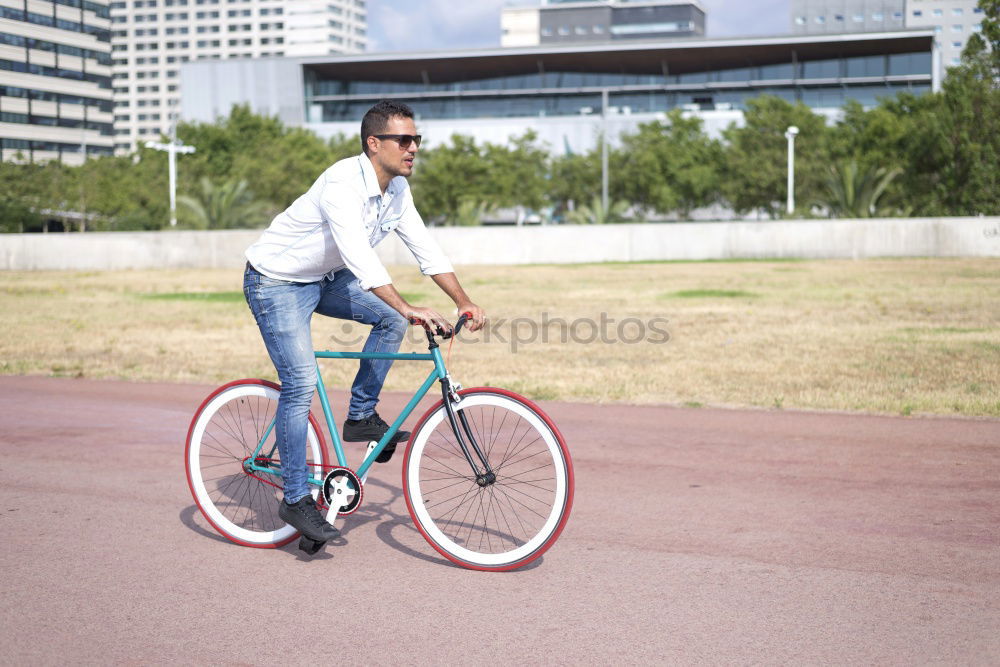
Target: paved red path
x=698 y=536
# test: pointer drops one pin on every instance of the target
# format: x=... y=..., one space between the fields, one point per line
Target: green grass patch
x=413 y=298
x=211 y=297
x=709 y=294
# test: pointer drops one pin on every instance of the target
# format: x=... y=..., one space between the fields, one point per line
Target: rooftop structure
x=594 y=21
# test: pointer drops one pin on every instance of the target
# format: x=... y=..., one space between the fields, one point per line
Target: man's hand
x=431 y=317
x=477 y=316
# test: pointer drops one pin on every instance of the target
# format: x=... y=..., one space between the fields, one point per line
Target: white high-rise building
x=55 y=80
x=151 y=38
x=953 y=21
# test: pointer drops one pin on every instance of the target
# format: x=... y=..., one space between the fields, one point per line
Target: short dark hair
x=376 y=120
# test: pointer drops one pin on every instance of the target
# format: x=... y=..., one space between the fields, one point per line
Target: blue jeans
x=283 y=311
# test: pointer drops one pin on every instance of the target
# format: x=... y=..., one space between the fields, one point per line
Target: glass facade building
x=557 y=91
x=694 y=75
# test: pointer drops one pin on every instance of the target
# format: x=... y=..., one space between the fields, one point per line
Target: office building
x=559 y=91
x=836 y=17
x=55 y=80
x=153 y=38
x=580 y=21
x=952 y=21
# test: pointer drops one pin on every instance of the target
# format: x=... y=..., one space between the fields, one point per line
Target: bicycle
x=487 y=477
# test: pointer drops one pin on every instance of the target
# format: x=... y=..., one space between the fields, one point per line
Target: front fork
x=484 y=476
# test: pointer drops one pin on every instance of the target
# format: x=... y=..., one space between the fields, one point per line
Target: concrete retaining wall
x=805 y=239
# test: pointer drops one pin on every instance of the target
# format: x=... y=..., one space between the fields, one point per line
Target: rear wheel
x=501 y=525
x=243 y=504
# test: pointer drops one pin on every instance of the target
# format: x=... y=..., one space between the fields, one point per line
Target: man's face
x=389 y=155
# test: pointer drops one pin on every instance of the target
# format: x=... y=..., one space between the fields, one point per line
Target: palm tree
x=226 y=206
x=471 y=212
x=852 y=193
x=595 y=214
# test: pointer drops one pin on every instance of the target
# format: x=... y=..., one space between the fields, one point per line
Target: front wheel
x=242 y=503
x=510 y=522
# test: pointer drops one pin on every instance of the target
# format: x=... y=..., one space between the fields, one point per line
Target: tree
x=953 y=152
x=448 y=175
x=596 y=214
x=277 y=162
x=20 y=200
x=755 y=174
x=226 y=206
x=857 y=193
x=983 y=48
x=574 y=178
x=517 y=172
x=670 y=166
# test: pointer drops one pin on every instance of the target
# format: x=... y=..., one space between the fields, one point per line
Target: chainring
x=342 y=487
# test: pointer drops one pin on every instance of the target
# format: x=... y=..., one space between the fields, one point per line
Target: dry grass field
x=889 y=336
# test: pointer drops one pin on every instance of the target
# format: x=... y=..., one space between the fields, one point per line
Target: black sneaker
x=370 y=428
x=304 y=517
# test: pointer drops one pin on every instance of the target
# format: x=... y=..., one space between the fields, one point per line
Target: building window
x=977 y=27
x=957 y=11
x=563 y=30
x=957 y=27
x=839 y=18
x=938 y=12
x=859 y=18
x=821 y=19
x=956 y=45
x=546 y=32
x=878 y=16
x=799 y=20
x=917 y=12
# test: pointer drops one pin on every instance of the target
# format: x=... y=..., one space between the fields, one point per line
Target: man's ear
x=372 y=144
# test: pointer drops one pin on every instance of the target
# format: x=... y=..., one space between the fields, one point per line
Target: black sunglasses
x=403 y=139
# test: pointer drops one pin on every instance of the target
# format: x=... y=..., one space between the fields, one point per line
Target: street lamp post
x=604 y=149
x=790 y=135
x=173 y=147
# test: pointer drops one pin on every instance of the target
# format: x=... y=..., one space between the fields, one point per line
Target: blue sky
x=420 y=25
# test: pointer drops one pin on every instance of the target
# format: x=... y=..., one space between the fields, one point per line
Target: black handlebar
x=438 y=331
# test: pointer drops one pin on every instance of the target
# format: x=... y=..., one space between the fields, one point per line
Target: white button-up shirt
x=338 y=222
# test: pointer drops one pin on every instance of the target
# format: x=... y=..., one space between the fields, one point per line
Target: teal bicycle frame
x=439 y=373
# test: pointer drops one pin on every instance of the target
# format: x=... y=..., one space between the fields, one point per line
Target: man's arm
x=433 y=262
x=395 y=300
x=448 y=282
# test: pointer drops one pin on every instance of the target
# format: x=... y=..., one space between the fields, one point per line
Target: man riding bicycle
x=318 y=256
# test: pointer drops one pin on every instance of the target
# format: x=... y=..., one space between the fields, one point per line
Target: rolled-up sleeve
x=342 y=207
x=425 y=249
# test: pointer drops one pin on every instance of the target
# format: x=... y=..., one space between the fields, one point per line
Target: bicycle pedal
x=310 y=546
